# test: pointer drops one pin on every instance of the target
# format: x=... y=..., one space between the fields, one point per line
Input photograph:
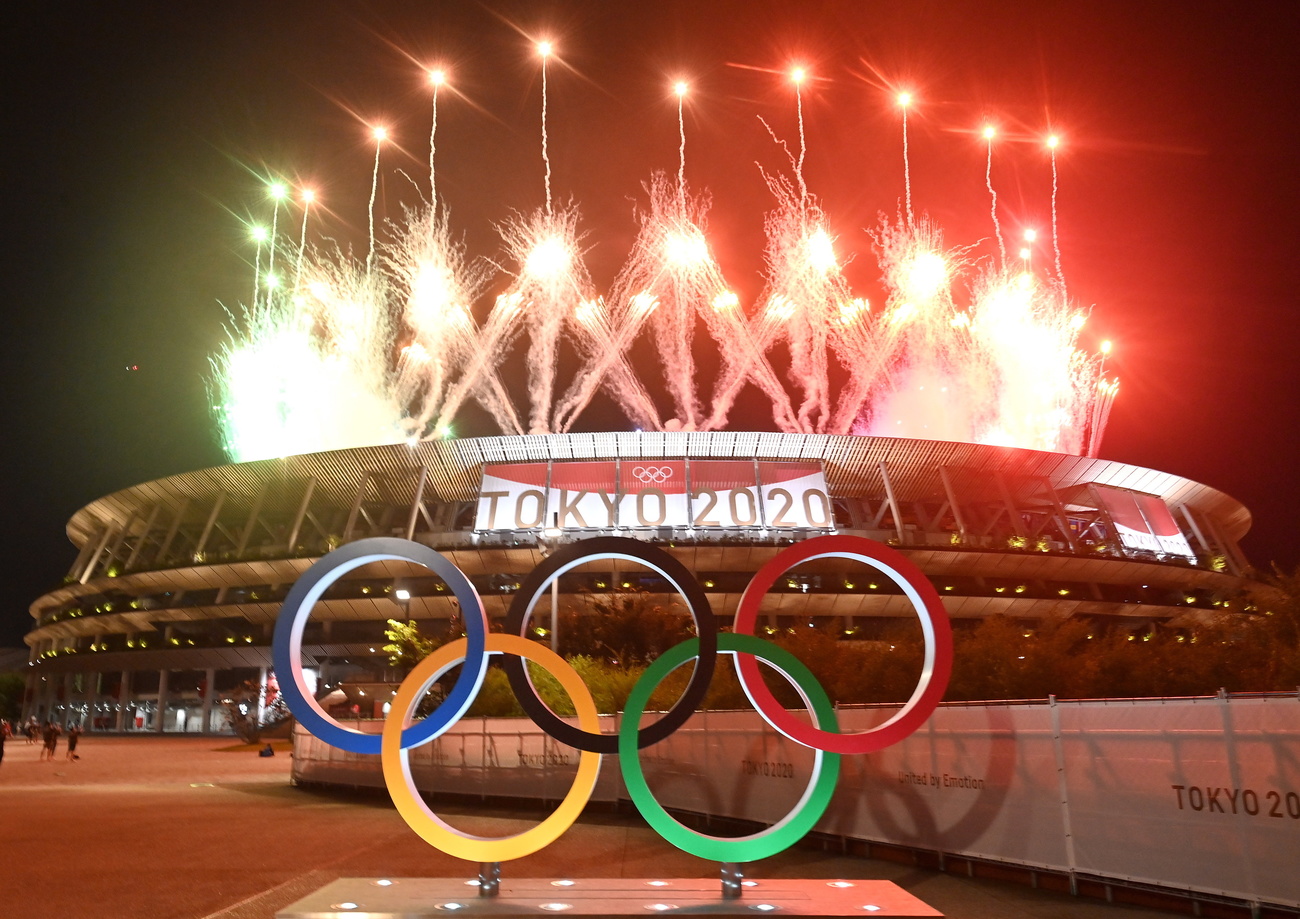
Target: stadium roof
x=853 y=465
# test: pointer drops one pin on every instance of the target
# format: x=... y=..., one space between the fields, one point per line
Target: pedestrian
x=4 y=732
x=73 y=733
x=52 y=732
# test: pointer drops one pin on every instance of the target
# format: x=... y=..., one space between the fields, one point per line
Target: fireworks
x=391 y=349
x=301 y=376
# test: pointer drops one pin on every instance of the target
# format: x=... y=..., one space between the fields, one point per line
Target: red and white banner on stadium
x=1143 y=522
x=604 y=494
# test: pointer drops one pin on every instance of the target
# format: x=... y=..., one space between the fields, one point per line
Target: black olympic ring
x=570 y=556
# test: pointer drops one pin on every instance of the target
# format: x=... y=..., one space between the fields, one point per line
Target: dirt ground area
x=204 y=828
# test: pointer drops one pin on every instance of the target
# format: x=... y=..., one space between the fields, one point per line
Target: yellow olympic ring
x=397 y=767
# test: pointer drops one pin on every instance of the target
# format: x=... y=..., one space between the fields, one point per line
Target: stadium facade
x=171 y=601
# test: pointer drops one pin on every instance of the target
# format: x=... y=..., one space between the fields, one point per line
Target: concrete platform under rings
x=408 y=898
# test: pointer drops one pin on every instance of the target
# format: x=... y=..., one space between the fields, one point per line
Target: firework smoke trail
x=877 y=349
x=862 y=348
x=685 y=278
x=1102 y=402
x=479 y=377
x=308 y=196
x=904 y=100
x=745 y=342
x=437 y=78
x=545 y=50
x=745 y=359
x=440 y=288
x=605 y=340
x=380 y=134
x=1056 y=241
x=796 y=255
x=892 y=356
x=681 y=147
x=259 y=236
x=277 y=194
x=993 y=196
x=798 y=77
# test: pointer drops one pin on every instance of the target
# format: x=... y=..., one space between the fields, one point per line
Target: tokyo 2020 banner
x=643 y=493
x=401 y=733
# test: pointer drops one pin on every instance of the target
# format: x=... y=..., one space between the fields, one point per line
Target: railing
x=1199 y=795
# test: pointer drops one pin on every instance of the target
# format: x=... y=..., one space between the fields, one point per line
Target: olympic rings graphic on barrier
x=612 y=547
x=822 y=736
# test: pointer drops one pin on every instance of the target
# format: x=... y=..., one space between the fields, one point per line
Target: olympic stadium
x=172 y=597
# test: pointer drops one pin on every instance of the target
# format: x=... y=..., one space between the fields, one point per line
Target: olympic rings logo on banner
x=399 y=735
x=652 y=475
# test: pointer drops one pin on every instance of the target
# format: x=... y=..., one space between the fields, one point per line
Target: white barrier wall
x=1204 y=795
x=491 y=757
x=1194 y=794
x=980 y=781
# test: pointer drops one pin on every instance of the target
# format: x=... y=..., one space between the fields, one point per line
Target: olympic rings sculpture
x=399 y=736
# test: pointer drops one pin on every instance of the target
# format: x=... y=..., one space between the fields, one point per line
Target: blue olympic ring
x=287 y=648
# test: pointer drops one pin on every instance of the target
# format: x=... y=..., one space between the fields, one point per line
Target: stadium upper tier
x=1021 y=532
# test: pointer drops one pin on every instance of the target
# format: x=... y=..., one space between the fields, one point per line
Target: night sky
x=139 y=136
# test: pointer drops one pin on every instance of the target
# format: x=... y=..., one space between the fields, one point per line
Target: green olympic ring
x=781 y=835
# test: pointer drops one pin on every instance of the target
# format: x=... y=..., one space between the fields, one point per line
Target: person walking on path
x=73 y=733
x=52 y=733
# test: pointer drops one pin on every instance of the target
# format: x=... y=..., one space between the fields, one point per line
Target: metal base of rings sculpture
x=400 y=733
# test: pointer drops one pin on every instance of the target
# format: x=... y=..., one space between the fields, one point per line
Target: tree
x=406 y=645
x=627 y=627
x=1279 y=627
x=12 y=686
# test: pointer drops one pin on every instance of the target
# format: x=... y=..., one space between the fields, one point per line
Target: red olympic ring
x=935 y=669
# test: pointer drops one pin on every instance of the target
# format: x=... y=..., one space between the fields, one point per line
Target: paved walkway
x=202 y=828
